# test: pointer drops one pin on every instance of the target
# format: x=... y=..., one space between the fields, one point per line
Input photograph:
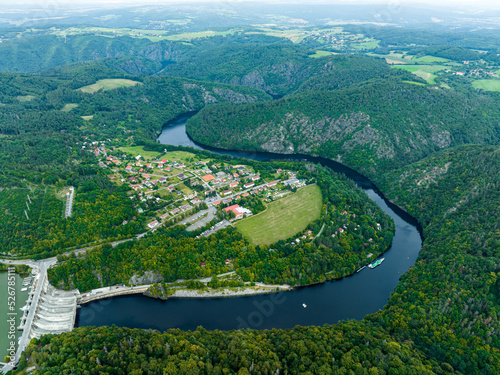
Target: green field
x=366 y=44
x=423 y=71
x=430 y=59
x=87 y=118
x=295 y=35
x=283 y=218
x=320 y=53
x=179 y=156
x=487 y=84
x=415 y=83
x=139 y=150
x=68 y=107
x=108 y=84
x=186 y=37
x=394 y=58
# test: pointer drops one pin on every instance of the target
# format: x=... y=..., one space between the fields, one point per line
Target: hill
x=369 y=127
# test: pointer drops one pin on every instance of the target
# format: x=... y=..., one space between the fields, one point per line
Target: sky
x=491 y=4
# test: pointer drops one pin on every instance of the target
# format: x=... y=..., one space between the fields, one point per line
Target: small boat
x=304 y=305
x=376 y=263
x=24 y=289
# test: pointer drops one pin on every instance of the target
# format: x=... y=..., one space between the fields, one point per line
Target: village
x=185 y=189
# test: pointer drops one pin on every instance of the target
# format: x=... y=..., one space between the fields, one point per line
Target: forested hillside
x=370 y=127
x=44 y=122
x=281 y=69
x=442 y=318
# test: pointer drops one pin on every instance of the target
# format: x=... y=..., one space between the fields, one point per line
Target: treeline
x=352 y=347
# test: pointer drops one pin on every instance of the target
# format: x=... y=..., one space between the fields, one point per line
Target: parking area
x=198 y=221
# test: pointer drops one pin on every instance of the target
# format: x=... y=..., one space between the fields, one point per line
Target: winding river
x=352 y=297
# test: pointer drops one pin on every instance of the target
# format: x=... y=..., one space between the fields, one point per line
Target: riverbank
x=230 y=292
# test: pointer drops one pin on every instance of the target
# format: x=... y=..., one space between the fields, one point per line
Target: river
x=352 y=297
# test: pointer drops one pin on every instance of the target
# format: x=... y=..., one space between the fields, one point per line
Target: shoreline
x=227 y=293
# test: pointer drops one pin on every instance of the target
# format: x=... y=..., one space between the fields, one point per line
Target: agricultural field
x=368 y=43
x=394 y=58
x=423 y=71
x=68 y=107
x=487 y=84
x=153 y=35
x=108 y=84
x=320 y=53
x=283 y=218
x=187 y=37
x=430 y=59
x=295 y=35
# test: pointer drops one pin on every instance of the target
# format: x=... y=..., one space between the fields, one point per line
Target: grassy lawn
x=139 y=150
x=430 y=59
x=423 y=71
x=283 y=218
x=180 y=156
x=108 y=84
x=487 y=84
x=184 y=189
x=87 y=118
x=320 y=53
x=68 y=107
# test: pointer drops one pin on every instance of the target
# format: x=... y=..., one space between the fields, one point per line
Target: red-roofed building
x=153 y=224
x=207 y=178
x=248 y=185
x=274 y=183
x=233 y=184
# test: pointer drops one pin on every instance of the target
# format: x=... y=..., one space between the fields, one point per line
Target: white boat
x=24 y=289
x=304 y=305
x=376 y=263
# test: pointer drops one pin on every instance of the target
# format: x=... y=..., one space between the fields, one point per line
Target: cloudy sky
x=492 y=4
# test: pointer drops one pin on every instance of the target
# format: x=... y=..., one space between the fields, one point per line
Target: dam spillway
x=56 y=311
